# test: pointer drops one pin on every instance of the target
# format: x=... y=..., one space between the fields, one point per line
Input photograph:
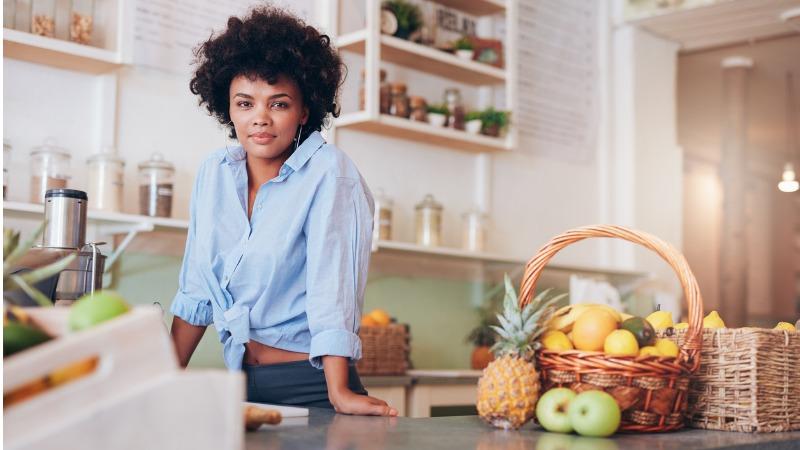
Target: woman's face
x=266 y=116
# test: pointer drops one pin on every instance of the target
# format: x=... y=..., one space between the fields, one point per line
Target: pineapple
x=509 y=387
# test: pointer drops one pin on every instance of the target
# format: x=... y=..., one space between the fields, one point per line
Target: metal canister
x=65 y=215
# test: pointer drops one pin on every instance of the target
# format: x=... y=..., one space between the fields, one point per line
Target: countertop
x=324 y=429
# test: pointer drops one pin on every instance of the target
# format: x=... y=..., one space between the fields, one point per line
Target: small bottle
x=419 y=109
x=49 y=169
x=81 y=21
x=156 y=180
x=106 y=174
x=43 y=18
x=400 y=105
x=429 y=222
x=384 y=97
x=474 y=231
x=452 y=98
x=382 y=223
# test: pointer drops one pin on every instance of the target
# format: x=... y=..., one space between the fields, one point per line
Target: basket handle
x=690 y=352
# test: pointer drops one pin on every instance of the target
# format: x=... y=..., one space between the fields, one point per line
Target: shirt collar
x=296 y=161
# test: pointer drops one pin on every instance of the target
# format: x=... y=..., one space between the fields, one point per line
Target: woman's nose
x=262 y=117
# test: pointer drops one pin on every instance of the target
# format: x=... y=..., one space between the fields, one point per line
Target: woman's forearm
x=336 y=374
x=185 y=338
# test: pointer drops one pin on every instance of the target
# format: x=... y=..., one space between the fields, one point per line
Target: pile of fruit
x=376 y=318
x=509 y=388
x=20 y=333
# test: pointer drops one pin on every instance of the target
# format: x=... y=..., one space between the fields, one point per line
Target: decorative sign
x=557 y=111
x=166 y=31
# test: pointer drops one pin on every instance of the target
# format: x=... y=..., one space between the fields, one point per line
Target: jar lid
x=429 y=203
x=156 y=161
x=398 y=87
x=68 y=193
x=475 y=213
x=50 y=146
x=416 y=100
x=382 y=199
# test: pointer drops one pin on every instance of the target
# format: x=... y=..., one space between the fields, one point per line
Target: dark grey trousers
x=295 y=383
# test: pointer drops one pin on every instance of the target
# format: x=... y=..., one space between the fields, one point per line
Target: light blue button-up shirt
x=293 y=275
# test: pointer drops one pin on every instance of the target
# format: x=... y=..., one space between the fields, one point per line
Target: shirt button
x=225 y=278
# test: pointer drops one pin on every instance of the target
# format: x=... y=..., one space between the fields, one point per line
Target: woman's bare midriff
x=257 y=354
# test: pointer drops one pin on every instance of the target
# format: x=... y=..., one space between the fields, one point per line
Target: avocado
x=18 y=337
x=644 y=332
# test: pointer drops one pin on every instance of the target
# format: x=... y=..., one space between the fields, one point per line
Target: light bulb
x=788 y=183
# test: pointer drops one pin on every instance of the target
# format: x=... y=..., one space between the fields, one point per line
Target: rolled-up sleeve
x=338 y=236
x=190 y=302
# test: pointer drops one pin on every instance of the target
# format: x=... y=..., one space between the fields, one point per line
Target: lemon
x=621 y=343
x=649 y=351
x=785 y=326
x=681 y=326
x=713 y=320
x=556 y=340
x=667 y=347
x=660 y=320
x=368 y=321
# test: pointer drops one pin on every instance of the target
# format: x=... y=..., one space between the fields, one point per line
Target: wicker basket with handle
x=385 y=350
x=652 y=391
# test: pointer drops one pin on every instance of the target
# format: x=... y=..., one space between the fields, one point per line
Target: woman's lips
x=262 y=138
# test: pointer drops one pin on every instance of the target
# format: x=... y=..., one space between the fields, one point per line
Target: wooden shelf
x=718 y=23
x=475 y=7
x=422 y=132
x=58 y=53
x=426 y=59
x=36 y=210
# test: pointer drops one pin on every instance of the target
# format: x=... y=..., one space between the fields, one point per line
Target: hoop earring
x=297 y=139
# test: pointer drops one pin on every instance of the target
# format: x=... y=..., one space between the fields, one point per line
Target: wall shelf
x=102 y=218
x=421 y=132
x=58 y=53
x=426 y=59
x=476 y=7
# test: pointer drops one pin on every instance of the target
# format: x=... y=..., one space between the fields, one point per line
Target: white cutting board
x=286 y=411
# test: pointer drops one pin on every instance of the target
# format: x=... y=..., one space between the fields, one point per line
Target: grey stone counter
x=325 y=430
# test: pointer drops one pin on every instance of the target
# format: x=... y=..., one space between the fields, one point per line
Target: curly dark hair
x=267 y=43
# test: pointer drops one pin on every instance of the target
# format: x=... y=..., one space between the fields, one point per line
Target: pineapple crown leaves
x=519 y=330
x=13 y=251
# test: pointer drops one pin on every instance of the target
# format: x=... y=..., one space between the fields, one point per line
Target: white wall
x=632 y=180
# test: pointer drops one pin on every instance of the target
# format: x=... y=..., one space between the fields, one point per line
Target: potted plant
x=483 y=337
x=437 y=114
x=473 y=122
x=494 y=121
x=407 y=15
x=464 y=48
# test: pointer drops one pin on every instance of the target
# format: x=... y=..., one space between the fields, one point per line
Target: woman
x=279 y=236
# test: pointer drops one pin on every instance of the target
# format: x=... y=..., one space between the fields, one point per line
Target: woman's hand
x=348 y=402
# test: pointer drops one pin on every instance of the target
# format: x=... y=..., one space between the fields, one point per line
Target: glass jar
x=49 y=169
x=43 y=18
x=156 y=180
x=81 y=21
x=382 y=222
x=474 y=231
x=400 y=105
x=384 y=97
x=6 y=162
x=106 y=174
x=9 y=13
x=419 y=109
x=452 y=97
x=429 y=222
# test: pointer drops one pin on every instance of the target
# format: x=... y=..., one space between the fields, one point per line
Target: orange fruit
x=381 y=317
x=368 y=321
x=591 y=329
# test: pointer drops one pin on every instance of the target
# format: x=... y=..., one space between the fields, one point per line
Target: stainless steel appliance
x=65 y=234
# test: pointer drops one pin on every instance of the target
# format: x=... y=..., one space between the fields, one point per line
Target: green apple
x=554 y=441
x=594 y=443
x=551 y=411
x=594 y=413
x=92 y=309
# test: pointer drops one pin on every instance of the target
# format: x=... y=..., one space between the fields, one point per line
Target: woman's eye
x=280 y=105
x=243 y=104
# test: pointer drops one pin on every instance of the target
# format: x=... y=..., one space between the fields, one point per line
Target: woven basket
x=652 y=391
x=749 y=380
x=384 y=350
